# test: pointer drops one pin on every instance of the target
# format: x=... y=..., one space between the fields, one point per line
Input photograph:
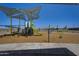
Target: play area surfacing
x=55 y=37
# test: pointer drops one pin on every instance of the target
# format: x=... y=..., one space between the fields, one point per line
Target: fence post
x=49 y=33
x=57 y=28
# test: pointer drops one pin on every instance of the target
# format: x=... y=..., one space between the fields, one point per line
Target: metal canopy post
x=19 y=25
x=25 y=23
x=11 y=24
x=19 y=21
x=31 y=22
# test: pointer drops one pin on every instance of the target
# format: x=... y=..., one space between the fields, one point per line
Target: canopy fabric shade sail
x=19 y=16
x=12 y=12
x=9 y=11
x=30 y=13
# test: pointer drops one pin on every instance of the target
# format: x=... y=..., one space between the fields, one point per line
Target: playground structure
x=49 y=34
x=20 y=14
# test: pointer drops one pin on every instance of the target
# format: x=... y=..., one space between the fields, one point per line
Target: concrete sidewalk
x=25 y=46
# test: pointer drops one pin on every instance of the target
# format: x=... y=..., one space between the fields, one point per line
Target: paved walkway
x=25 y=46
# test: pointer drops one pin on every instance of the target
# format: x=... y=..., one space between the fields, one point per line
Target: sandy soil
x=55 y=37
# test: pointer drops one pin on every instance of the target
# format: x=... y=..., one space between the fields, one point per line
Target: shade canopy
x=19 y=16
x=30 y=13
x=9 y=11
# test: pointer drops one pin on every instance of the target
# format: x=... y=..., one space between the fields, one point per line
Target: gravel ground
x=55 y=37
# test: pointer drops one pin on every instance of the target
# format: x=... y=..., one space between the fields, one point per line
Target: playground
x=29 y=33
x=42 y=29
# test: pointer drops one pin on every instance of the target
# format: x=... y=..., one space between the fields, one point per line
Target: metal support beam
x=10 y=24
x=19 y=25
x=19 y=22
x=31 y=21
x=24 y=23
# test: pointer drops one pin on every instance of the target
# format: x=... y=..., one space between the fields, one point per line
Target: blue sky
x=54 y=14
